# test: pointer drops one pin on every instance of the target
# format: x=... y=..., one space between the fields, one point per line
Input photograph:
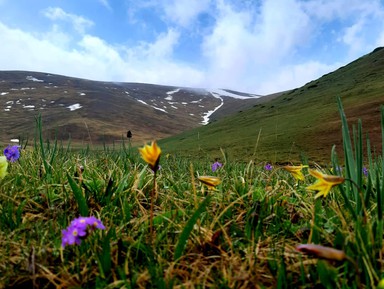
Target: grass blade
x=80 y=199
x=188 y=228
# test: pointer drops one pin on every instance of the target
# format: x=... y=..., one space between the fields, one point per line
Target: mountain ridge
x=99 y=111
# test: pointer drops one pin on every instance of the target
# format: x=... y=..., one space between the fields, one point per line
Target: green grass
x=241 y=235
x=300 y=124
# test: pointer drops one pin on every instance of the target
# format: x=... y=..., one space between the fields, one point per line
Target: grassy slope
x=303 y=123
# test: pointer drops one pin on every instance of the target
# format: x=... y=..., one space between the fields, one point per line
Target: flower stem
x=152 y=207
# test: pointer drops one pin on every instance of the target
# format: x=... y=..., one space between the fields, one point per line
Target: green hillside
x=302 y=123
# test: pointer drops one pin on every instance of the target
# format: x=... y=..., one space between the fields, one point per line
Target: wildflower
x=365 y=171
x=151 y=155
x=95 y=223
x=3 y=167
x=72 y=235
x=381 y=284
x=209 y=181
x=324 y=183
x=12 y=153
x=322 y=252
x=295 y=171
x=79 y=229
x=216 y=165
x=268 y=167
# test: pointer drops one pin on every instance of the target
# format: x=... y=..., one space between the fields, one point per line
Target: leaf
x=105 y=260
x=80 y=199
x=188 y=228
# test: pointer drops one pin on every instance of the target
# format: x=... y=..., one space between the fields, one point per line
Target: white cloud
x=293 y=76
x=79 y=23
x=272 y=46
x=353 y=38
x=184 y=12
x=162 y=47
x=106 y=4
x=247 y=48
x=96 y=59
x=342 y=9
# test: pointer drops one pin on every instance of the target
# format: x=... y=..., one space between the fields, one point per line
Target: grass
x=297 y=125
x=243 y=234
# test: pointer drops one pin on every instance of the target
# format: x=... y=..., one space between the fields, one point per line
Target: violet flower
x=216 y=165
x=268 y=167
x=365 y=171
x=79 y=229
x=12 y=153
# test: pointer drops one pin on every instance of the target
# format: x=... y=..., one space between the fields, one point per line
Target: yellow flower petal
x=3 y=167
x=324 y=183
x=151 y=155
x=209 y=181
x=295 y=171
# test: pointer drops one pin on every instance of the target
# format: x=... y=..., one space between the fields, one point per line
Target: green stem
x=152 y=207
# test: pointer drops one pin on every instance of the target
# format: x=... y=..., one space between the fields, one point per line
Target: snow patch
x=4 y=93
x=15 y=140
x=29 y=77
x=74 y=106
x=173 y=91
x=210 y=112
x=28 y=106
x=226 y=93
x=155 y=107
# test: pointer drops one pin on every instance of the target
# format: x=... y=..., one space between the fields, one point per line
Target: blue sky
x=257 y=46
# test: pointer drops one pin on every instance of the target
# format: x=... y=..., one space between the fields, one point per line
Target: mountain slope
x=93 y=112
x=303 y=123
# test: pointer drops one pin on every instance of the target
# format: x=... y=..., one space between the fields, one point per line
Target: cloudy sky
x=258 y=46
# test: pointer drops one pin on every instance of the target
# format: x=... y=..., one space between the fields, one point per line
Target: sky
x=255 y=46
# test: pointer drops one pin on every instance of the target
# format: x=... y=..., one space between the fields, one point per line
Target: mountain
x=300 y=124
x=303 y=123
x=94 y=111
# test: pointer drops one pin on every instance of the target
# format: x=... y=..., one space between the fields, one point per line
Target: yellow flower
x=324 y=183
x=296 y=171
x=151 y=155
x=381 y=284
x=3 y=167
x=209 y=181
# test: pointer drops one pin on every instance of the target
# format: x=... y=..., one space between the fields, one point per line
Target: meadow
x=248 y=225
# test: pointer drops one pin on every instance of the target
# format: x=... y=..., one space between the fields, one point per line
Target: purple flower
x=365 y=171
x=216 y=165
x=77 y=230
x=72 y=235
x=268 y=167
x=12 y=153
x=95 y=223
